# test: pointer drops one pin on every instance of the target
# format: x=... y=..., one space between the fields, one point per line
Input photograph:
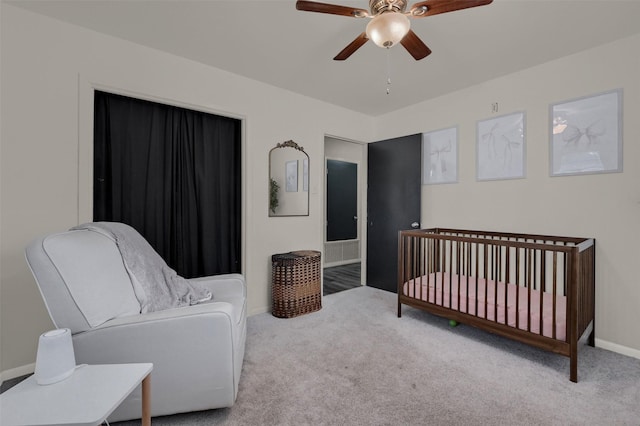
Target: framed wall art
x=500 y=147
x=440 y=156
x=586 y=135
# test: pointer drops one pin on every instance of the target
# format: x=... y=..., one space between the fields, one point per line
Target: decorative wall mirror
x=288 y=180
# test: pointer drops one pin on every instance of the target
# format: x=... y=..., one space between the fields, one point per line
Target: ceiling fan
x=390 y=23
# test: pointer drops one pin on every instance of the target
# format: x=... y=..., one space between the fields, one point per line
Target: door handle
x=415 y=225
x=355 y=218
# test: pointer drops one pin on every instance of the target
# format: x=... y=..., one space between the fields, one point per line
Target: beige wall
x=49 y=70
x=605 y=206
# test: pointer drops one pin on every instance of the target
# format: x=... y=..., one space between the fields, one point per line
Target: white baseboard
x=257 y=311
x=614 y=347
x=23 y=370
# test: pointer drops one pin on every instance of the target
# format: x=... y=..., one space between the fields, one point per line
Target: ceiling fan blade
x=435 y=7
x=415 y=46
x=352 y=47
x=333 y=9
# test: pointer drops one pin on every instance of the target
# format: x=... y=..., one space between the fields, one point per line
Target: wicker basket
x=296 y=283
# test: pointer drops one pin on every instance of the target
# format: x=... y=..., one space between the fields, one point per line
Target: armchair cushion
x=96 y=278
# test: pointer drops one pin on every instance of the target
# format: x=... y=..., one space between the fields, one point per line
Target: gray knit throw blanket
x=156 y=285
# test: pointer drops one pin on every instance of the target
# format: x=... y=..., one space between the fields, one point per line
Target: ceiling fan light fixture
x=388 y=29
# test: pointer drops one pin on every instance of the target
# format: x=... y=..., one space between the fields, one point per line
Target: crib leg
x=399 y=309
x=573 y=376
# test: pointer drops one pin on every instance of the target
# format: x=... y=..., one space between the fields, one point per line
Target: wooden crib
x=536 y=289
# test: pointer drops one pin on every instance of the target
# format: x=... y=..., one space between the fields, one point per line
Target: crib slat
x=486 y=281
x=450 y=273
x=555 y=287
x=518 y=269
x=567 y=288
x=566 y=272
x=468 y=273
x=542 y=287
x=507 y=280
x=529 y=277
x=418 y=257
x=496 y=277
x=432 y=260
x=406 y=266
x=459 y=260
x=416 y=264
x=423 y=264
x=477 y=275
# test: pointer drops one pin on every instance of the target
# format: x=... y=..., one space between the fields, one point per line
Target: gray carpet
x=355 y=363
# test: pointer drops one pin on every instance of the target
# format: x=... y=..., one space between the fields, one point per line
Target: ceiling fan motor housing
x=380 y=6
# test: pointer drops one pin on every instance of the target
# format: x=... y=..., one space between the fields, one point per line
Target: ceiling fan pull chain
x=388 y=71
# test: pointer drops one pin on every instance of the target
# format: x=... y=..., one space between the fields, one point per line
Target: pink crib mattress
x=522 y=311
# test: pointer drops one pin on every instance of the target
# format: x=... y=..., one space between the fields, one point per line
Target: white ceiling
x=270 y=41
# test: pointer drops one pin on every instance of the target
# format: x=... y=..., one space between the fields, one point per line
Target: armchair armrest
x=223 y=286
x=223 y=308
x=198 y=333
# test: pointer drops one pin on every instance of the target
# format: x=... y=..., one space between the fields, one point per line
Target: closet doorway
x=343 y=212
x=173 y=174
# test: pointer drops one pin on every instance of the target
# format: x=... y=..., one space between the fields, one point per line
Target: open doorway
x=343 y=212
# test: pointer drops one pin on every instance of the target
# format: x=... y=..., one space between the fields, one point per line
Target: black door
x=342 y=200
x=393 y=204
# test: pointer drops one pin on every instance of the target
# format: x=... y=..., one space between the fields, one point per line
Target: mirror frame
x=288 y=144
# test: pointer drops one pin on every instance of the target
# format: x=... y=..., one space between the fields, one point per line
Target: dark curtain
x=174 y=175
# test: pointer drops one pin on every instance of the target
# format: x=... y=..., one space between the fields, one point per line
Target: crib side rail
x=493 y=235
x=502 y=238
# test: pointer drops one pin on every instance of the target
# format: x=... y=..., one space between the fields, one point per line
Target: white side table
x=86 y=398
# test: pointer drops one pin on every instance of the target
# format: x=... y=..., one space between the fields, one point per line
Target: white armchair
x=197 y=351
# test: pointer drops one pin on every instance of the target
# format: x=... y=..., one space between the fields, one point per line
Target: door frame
x=361 y=194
